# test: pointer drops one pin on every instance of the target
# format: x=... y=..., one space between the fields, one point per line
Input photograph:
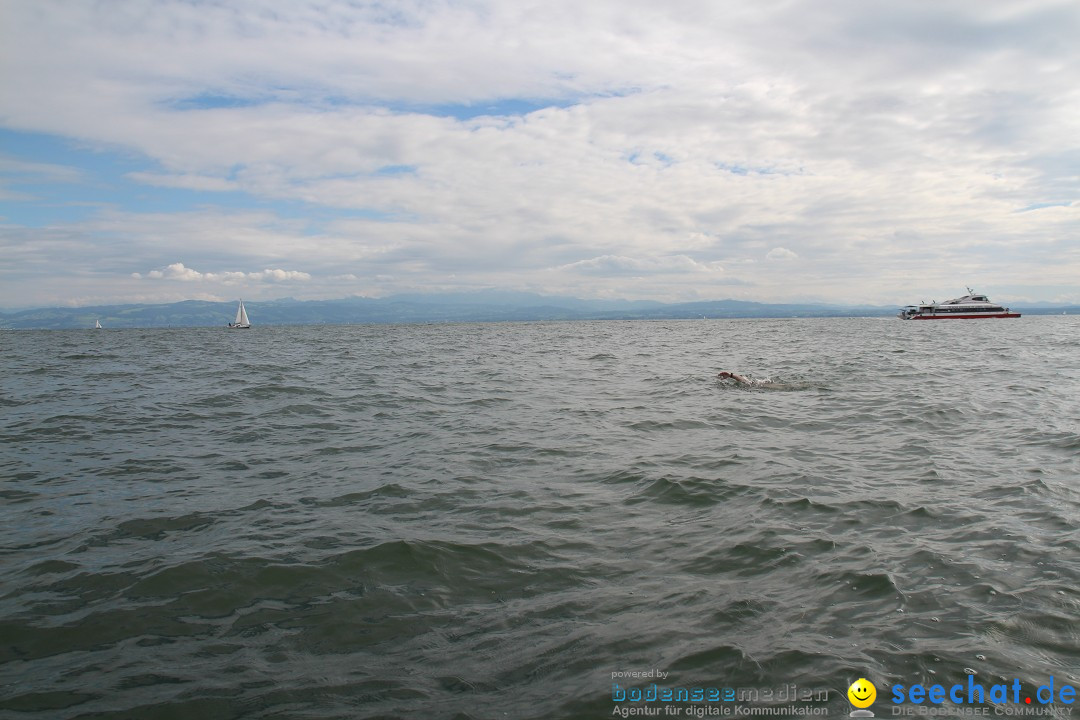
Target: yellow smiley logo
x=862 y=693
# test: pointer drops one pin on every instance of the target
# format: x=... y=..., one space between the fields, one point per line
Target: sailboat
x=97 y=324
x=242 y=322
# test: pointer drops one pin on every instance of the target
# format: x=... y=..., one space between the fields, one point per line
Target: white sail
x=97 y=324
x=241 y=317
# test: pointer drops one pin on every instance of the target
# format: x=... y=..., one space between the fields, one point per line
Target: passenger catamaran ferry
x=969 y=307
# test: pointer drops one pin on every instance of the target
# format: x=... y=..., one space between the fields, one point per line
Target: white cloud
x=874 y=144
x=21 y=172
x=185 y=181
x=38 y=172
x=178 y=271
x=779 y=253
x=620 y=265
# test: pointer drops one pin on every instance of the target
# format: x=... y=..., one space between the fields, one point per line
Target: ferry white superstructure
x=969 y=307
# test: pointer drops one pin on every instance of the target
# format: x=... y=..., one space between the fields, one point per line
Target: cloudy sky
x=773 y=150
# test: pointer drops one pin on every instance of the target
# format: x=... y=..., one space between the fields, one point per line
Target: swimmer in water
x=755 y=382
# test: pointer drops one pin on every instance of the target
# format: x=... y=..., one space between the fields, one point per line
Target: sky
x=851 y=151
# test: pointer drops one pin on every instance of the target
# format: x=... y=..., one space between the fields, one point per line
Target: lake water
x=507 y=520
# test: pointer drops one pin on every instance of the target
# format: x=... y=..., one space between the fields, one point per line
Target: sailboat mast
x=241 y=317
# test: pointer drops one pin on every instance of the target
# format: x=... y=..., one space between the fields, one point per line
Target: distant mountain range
x=478 y=306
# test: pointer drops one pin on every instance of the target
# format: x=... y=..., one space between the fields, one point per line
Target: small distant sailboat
x=242 y=322
x=97 y=324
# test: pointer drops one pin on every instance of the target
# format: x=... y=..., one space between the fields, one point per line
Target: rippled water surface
x=488 y=521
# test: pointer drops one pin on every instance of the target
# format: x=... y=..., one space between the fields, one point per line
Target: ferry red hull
x=965 y=317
